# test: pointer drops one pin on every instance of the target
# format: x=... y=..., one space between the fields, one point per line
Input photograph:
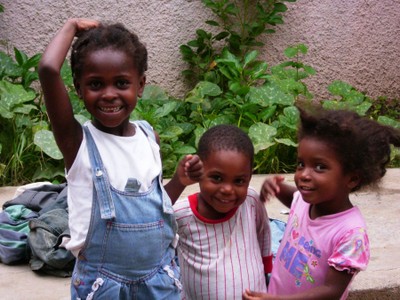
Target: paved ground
x=381 y=280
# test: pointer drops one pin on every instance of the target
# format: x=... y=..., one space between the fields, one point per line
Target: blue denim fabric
x=127 y=252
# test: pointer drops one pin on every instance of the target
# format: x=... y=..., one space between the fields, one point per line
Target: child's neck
x=322 y=209
x=127 y=129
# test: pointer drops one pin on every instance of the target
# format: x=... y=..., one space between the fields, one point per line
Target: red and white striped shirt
x=219 y=259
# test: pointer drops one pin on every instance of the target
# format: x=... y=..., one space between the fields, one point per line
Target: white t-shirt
x=123 y=157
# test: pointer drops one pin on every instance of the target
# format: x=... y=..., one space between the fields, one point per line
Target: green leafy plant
x=238 y=27
x=21 y=116
x=230 y=86
x=28 y=151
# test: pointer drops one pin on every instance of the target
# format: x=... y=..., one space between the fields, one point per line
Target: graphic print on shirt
x=300 y=256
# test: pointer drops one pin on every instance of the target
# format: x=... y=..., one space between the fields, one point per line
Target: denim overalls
x=129 y=251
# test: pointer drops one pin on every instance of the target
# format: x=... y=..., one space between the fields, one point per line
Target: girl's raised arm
x=67 y=131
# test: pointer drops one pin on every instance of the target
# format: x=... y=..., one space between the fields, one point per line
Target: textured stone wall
x=357 y=41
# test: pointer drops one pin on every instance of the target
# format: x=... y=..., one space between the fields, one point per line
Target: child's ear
x=78 y=88
x=354 y=181
x=142 y=83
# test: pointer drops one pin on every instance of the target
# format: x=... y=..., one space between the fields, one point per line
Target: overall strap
x=147 y=129
x=100 y=178
x=149 y=132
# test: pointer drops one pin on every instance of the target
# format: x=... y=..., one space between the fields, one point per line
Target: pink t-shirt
x=309 y=247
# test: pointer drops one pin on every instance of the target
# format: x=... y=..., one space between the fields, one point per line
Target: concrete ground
x=381 y=280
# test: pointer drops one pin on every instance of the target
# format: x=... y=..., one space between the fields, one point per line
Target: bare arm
x=335 y=284
x=275 y=187
x=67 y=131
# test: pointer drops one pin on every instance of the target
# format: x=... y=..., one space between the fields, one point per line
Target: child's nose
x=305 y=174
x=226 y=188
x=109 y=93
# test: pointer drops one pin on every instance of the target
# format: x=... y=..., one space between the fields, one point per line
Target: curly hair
x=225 y=137
x=361 y=144
x=114 y=36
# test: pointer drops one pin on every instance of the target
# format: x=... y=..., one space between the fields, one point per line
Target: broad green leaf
x=170 y=133
x=44 y=139
x=280 y=7
x=389 y=122
x=165 y=109
x=186 y=50
x=212 y=23
x=12 y=95
x=33 y=62
x=309 y=70
x=259 y=69
x=66 y=74
x=8 y=67
x=195 y=99
x=250 y=57
x=221 y=35
x=339 y=88
x=20 y=56
x=362 y=108
x=208 y=88
x=287 y=142
x=154 y=92
x=289 y=118
x=290 y=52
x=185 y=150
x=270 y=94
x=25 y=109
x=262 y=136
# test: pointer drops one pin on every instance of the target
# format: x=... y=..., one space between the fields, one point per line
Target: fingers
x=250 y=295
x=271 y=188
x=84 y=24
x=193 y=167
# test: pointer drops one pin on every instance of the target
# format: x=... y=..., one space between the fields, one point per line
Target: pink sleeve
x=352 y=252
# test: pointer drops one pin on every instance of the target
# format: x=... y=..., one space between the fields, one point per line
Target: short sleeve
x=263 y=230
x=352 y=252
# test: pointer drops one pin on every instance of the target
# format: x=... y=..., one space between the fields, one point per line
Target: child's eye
x=300 y=165
x=240 y=181
x=122 y=84
x=320 y=167
x=216 y=178
x=95 y=85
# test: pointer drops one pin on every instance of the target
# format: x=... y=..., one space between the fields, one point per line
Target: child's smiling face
x=224 y=184
x=109 y=85
x=320 y=177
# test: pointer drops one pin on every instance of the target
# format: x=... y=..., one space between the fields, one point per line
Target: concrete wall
x=357 y=41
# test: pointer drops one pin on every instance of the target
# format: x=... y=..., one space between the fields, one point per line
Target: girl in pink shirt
x=325 y=242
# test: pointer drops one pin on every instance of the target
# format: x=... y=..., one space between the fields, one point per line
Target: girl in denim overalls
x=120 y=215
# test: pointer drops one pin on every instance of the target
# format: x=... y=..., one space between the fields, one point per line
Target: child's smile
x=109 y=86
x=320 y=177
x=225 y=182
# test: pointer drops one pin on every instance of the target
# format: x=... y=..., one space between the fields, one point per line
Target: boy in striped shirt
x=224 y=234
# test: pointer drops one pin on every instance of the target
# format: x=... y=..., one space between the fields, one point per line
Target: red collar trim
x=193 y=205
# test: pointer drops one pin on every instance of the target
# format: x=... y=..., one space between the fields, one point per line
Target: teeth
x=224 y=201
x=110 y=109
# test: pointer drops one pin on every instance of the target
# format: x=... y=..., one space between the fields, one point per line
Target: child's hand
x=250 y=295
x=190 y=169
x=83 y=24
x=271 y=187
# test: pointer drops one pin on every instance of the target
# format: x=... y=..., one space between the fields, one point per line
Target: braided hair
x=115 y=36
